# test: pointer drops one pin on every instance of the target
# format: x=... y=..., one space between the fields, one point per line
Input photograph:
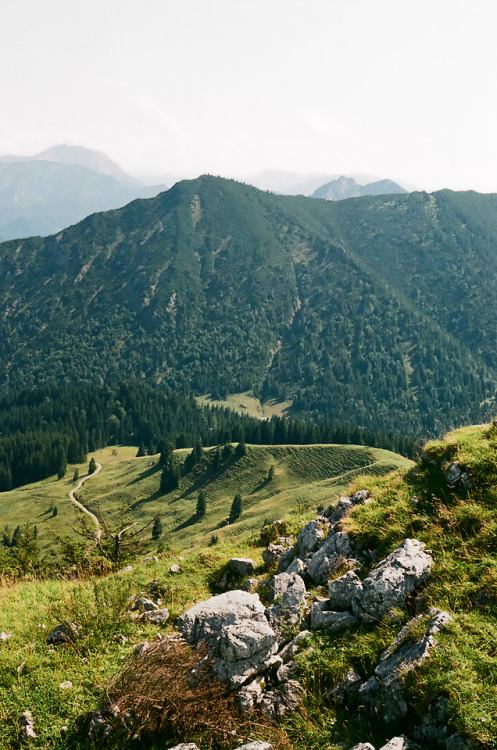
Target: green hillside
x=375 y=311
x=305 y=478
x=456 y=521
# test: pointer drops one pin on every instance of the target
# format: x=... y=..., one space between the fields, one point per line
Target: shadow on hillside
x=189 y=522
x=149 y=499
x=145 y=474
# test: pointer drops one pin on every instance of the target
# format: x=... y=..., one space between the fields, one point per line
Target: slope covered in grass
x=128 y=486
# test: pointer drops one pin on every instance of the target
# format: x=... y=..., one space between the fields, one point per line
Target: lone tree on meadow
x=201 y=505
x=236 y=508
x=92 y=466
x=157 y=529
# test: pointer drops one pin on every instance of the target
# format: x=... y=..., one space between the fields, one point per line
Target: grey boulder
x=205 y=620
x=156 y=616
x=391 y=582
x=336 y=548
x=324 y=618
x=344 y=590
x=241 y=566
x=288 y=592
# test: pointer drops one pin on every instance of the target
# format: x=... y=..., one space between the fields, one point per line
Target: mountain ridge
x=217 y=287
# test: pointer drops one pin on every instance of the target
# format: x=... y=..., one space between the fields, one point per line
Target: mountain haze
x=347 y=187
x=375 y=311
x=42 y=194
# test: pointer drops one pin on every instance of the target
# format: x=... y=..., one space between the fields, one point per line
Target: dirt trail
x=82 y=507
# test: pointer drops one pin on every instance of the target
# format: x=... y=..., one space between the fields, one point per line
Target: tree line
x=44 y=429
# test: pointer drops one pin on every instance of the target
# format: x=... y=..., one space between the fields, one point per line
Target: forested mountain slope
x=379 y=311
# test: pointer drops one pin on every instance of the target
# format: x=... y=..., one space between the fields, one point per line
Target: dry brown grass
x=157 y=695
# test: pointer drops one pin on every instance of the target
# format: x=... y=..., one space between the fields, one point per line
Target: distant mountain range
x=347 y=187
x=44 y=193
x=375 y=311
x=317 y=185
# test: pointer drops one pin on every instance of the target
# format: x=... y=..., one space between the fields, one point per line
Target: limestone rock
x=205 y=620
x=363 y=746
x=157 y=616
x=297 y=566
x=381 y=694
x=257 y=745
x=342 y=591
x=65 y=633
x=27 y=726
x=324 y=562
x=250 y=696
x=175 y=569
x=288 y=652
x=322 y=617
x=185 y=746
x=288 y=592
x=311 y=536
x=396 y=743
x=272 y=554
x=341 y=509
x=391 y=582
x=286 y=559
x=241 y=566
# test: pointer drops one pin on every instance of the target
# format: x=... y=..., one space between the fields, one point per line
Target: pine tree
x=141 y=451
x=216 y=460
x=227 y=452
x=236 y=508
x=270 y=474
x=55 y=512
x=201 y=504
x=75 y=476
x=240 y=449
x=61 y=471
x=16 y=536
x=92 y=467
x=157 y=529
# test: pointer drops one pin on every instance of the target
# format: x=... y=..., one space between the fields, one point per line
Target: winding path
x=82 y=507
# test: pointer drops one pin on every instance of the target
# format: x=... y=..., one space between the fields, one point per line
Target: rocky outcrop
x=287 y=591
x=336 y=549
x=205 y=621
x=233 y=625
x=381 y=694
x=392 y=581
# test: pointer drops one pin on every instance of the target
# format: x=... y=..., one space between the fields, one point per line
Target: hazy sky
x=396 y=88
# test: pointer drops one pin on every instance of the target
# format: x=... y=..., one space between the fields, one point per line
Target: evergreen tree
x=16 y=536
x=216 y=459
x=169 y=480
x=61 y=471
x=201 y=504
x=141 y=451
x=271 y=473
x=55 y=512
x=241 y=449
x=75 y=476
x=157 y=529
x=236 y=508
x=92 y=466
x=227 y=452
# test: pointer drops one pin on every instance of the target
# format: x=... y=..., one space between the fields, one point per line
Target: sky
x=393 y=88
